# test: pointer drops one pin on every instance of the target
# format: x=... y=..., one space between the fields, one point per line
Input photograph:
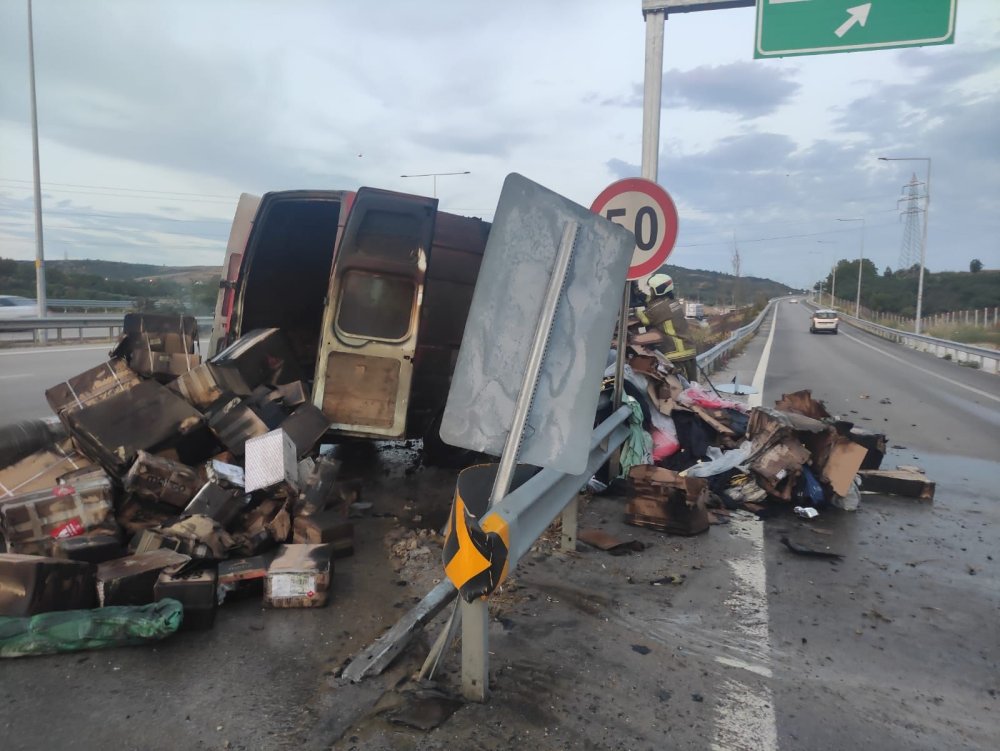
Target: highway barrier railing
x=91 y=304
x=70 y=329
x=981 y=358
x=717 y=356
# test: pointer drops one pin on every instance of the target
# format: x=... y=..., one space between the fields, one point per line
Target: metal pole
x=833 y=284
x=923 y=247
x=39 y=247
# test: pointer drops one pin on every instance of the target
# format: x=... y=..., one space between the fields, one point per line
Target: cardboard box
x=241 y=577
x=905 y=482
x=159 y=480
x=130 y=580
x=262 y=356
x=326 y=527
x=291 y=394
x=31 y=584
x=91 y=387
x=271 y=459
x=667 y=502
x=199 y=386
x=216 y=502
x=305 y=427
x=262 y=527
x=163 y=366
x=842 y=464
x=41 y=469
x=195 y=590
x=299 y=577
x=92 y=547
x=323 y=489
x=136 y=515
x=162 y=332
x=235 y=422
x=148 y=417
x=33 y=521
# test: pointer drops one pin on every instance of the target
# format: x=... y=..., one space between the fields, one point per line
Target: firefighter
x=665 y=314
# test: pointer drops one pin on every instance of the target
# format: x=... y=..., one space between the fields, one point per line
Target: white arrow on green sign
x=816 y=27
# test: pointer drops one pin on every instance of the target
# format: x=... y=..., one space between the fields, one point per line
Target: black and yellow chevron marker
x=476 y=553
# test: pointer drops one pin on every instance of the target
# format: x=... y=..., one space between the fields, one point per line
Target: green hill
x=716 y=288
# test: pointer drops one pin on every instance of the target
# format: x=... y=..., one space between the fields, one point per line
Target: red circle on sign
x=652 y=203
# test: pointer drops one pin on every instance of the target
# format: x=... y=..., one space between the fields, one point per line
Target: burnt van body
x=372 y=289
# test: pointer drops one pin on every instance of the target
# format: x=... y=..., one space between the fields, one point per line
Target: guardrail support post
x=569 y=525
x=475 y=649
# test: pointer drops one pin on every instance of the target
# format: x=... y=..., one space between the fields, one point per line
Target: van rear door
x=246 y=210
x=371 y=319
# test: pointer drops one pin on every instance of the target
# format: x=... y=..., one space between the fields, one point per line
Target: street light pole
x=861 y=263
x=923 y=241
x=39 y=248
x=436 y=175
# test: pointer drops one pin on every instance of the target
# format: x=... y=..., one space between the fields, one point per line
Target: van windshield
x=375 y=306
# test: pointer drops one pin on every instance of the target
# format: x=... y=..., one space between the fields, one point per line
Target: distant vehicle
x=694 y=310
x=794 y=300
x=12 y=306
x=824 y=321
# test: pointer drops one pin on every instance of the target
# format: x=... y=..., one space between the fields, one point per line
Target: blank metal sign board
x=506 y=306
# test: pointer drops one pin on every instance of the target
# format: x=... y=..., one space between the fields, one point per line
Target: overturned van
x=372 y=289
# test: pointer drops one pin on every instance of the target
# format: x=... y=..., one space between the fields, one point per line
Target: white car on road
x=12 y=306
x=824 y=321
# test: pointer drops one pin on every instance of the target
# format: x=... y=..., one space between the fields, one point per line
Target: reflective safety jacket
x=666 y=315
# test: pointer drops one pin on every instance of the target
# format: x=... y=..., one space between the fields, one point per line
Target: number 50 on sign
x=646 y=209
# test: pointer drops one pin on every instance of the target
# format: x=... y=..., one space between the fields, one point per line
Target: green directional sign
x=816 y=27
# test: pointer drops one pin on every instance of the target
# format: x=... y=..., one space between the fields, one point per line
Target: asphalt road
x=894 y=647
x=25 y=374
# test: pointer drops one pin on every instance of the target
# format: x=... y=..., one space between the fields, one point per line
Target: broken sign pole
x=475 y=615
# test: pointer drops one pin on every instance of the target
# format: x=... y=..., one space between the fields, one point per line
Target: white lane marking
x=755 y=400
x=50 y=350
x=946 y=379
x=744 y=715
x=16 y=375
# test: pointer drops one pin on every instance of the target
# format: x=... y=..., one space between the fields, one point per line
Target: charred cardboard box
x=199 y=537
x=159 y=480
x=162 y=332
x=136 y=515
x=325 y=527
x=130 y=580
x=243 y=577
x=162 y=366
x=264 y=526
x=874 y=443
x=217 y=502
x=665 y=501
x=323 y=489
x=235 y=421
x=271 y=459
x=901 y=481
x=33 y=521
x=31 y=584
x=148 y=417
x=90 y=547
x=262 y=356
x=199 y=386
x=305 y=427
x=195 y=590
x=299 y=577
x=91 y=387
x=41 y=470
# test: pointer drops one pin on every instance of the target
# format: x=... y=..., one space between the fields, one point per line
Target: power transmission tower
x=736 y=273
x=909 y=251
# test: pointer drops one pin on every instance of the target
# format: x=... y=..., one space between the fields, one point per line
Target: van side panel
x=239 y=234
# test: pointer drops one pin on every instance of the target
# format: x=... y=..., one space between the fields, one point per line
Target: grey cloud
x=746 y=89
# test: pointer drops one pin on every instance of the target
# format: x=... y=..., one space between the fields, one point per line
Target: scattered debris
x=908 y=481
x=607 y=542
x=804 y=550
x=676 y=579
x=641 y=649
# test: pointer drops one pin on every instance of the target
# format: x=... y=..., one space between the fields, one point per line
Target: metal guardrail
x=106 y=304
x=707 y=360
x=112 y=323
x=528 y=511
x=982 y=358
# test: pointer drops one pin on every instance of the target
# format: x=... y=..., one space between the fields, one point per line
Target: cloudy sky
x=154 y=116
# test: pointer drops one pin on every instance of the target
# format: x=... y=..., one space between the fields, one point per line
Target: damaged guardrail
x=981 y=358
x=707 y=360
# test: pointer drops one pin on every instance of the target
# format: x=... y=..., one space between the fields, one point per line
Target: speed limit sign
x=647 y=210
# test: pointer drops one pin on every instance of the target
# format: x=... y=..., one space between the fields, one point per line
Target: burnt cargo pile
x=694 y=457
x=176 y=479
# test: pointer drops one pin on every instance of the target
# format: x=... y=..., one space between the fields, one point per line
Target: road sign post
x=816 y=27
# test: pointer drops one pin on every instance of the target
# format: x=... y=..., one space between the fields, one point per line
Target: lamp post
x=923 y=241
x=861 y=261
x=39 y=248
x=436 y=175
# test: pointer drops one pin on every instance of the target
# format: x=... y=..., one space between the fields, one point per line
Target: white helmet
x=661 y=284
